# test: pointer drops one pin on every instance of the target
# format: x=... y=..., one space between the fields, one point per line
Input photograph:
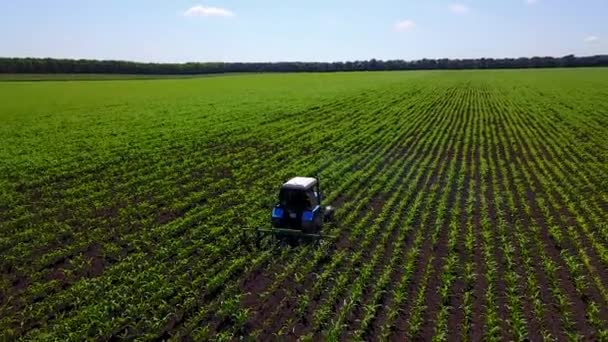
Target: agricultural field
x=471 y=205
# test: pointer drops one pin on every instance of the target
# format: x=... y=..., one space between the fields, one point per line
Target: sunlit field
x=471 y=205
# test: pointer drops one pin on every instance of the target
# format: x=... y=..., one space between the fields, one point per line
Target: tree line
x=73 y=66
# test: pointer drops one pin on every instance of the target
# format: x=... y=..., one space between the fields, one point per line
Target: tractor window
x=312 y=198
x=294 y=199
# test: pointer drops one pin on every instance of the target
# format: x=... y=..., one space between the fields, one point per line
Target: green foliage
x=471 y=205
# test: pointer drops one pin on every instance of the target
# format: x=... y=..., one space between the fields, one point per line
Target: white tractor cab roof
x=300 y=183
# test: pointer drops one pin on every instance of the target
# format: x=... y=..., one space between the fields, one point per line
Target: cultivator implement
x=283 y=232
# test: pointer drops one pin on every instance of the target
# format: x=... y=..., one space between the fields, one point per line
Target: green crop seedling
x=472 y=205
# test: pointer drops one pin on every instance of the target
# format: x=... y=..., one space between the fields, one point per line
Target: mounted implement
x=299 y=212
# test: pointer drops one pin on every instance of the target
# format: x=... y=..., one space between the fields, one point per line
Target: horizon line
x=302 y=61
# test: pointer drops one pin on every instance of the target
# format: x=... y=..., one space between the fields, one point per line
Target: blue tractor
x=299 y=211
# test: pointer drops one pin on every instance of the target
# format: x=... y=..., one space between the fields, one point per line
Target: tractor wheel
x=318 y=226
x=328 y=214
x=309 y=230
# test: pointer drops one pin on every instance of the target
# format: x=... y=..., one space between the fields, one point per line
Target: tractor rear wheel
x=328 y=213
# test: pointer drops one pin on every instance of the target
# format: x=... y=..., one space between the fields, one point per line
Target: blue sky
x=311 y=30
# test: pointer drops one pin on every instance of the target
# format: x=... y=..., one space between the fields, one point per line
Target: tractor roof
x=300 y=183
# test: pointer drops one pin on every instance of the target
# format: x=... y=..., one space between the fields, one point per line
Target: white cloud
x=202 y=11
x=531 y=2
x=404 y=25
x=459 y=8
x=591 y=39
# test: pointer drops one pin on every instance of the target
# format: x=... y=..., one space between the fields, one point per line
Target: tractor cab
x=299 y=207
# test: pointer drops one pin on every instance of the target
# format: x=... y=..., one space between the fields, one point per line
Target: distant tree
x=50 y=65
